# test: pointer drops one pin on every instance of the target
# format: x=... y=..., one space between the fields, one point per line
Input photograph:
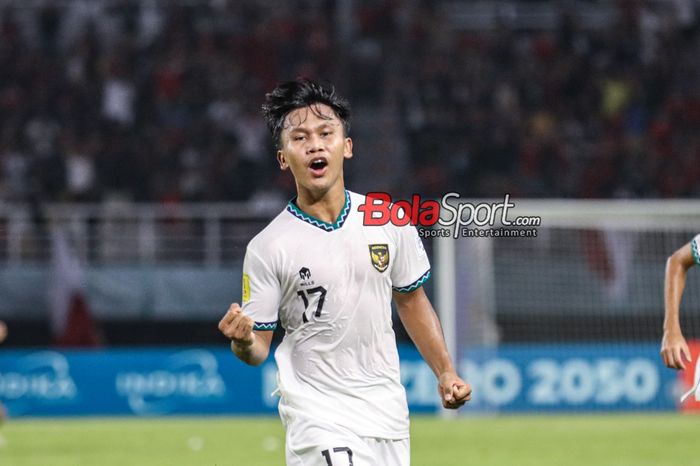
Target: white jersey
x=330 y=286
x=695 y=247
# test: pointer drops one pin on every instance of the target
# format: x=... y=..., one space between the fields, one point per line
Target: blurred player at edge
x=674 y=349
x=330 y=281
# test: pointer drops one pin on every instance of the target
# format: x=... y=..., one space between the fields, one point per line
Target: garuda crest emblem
x=379 y=253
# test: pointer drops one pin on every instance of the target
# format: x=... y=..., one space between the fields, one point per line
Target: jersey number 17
x=306 y=294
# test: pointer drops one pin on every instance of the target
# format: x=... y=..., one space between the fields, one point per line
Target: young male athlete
x=330 y=281
x=674 y=349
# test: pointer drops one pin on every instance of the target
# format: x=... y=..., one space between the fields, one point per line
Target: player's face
x=313 y=147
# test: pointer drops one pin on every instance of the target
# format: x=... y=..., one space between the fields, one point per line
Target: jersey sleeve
x=695 y=247
x=411 y=267
x=261 y=291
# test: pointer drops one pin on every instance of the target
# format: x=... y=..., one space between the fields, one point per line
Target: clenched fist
x=237 y=326
x=453 y=391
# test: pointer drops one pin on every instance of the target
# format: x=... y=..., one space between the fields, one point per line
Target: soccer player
x=330 y=281
x=674 y=349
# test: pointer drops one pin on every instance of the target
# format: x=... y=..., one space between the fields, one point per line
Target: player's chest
x=361 y=255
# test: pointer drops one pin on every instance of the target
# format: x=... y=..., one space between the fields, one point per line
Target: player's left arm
x=423 y=326
x=674 y=348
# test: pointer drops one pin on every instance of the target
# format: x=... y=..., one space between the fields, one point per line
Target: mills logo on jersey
x=305 y=277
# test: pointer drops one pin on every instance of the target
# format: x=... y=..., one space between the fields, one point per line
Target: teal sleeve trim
x=415 y=285
x=265 y=326
x=694 y=247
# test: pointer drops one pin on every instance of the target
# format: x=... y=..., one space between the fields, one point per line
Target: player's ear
x=282 y=160
x=347 y=153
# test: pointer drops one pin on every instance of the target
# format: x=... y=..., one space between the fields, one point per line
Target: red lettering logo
x=378 y=210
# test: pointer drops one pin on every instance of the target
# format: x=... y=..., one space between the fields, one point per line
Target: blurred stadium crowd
x=158 y=101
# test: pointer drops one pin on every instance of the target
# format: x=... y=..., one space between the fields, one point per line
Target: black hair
x=291 y=95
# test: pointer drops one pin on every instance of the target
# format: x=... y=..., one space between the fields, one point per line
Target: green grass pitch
x=595 y=440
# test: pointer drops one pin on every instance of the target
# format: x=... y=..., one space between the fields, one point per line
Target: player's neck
x=324 y=206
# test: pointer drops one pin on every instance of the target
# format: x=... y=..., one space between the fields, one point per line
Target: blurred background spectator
x=158 y=101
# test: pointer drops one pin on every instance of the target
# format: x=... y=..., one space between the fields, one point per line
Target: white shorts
x=314 y=444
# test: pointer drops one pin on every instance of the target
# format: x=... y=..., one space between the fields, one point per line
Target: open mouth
x=318 y=166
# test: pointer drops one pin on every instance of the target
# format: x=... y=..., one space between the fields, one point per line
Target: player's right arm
x=251 y=346
x=250 y=325
x=674 y=349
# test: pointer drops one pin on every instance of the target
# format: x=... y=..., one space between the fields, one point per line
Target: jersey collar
x=293 y=209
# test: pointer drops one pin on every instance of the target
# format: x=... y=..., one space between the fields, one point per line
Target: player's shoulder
x=270 y=237
x=356 y=199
